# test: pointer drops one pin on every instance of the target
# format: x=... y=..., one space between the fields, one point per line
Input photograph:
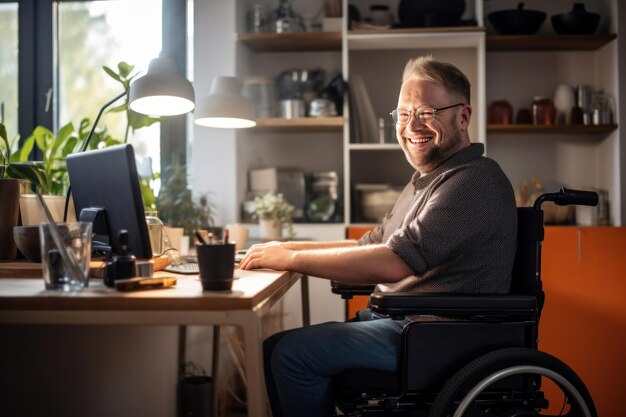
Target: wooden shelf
x=555 y=129
x=291 y=42
x=547 y=42
x=302 y=124
x=429 y=38
x=374 y=147
x=443 y=29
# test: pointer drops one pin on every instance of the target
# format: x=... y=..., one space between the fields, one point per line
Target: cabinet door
x=584 y=317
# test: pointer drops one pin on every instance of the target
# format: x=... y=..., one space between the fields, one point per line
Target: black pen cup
x=217 y=266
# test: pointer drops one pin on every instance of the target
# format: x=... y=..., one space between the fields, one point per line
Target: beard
x=437 y=154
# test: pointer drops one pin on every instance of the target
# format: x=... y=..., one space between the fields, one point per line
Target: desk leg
x=306 y=309
x=254 y=366
x=215 y=360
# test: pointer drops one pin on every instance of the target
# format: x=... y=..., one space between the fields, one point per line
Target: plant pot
x=270 y=229
x=9 y=211
x=32 y=213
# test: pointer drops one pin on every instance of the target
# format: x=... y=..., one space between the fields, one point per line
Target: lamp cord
x=93 y=128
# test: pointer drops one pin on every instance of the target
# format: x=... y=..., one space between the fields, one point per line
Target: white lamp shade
x=162 y=91
x=225 y=107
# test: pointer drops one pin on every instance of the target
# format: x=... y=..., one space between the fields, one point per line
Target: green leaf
x=111 y=73
x=63 y=135
x=125 y=69
x=83 y=126
x=22 y=154
x=32 y=171
x=3 y=133
x=70 y=146
x=138 y=120
x=117 y=109
x=6 y=155
x=41 y=135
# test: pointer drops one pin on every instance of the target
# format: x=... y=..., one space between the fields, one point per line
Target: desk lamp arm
x=86 y=144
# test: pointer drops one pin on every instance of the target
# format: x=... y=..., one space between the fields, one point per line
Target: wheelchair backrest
x=527 y=265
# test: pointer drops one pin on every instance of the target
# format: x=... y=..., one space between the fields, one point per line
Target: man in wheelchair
x=453 y=230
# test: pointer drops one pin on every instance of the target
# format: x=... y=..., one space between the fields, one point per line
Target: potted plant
x=274 y=213
x=9 y=201
x=177 y=207
x=49 y=176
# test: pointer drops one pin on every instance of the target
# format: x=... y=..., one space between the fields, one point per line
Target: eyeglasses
x=424 y=114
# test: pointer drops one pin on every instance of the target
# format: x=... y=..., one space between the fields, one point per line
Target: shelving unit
x=499 y=67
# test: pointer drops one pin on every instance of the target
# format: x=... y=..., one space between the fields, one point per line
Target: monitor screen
x=107 y=178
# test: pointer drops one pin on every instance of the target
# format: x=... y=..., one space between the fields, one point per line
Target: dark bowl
x=430 y=13
x=577 y=22
x=27 y=242
x=516 y=21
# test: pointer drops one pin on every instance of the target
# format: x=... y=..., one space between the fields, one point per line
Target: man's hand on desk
x=271 y=255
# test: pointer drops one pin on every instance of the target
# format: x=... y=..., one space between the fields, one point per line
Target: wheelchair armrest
x=406 y=304
x=348 y=291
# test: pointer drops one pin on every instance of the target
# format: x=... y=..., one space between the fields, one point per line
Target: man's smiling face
x=427 y=145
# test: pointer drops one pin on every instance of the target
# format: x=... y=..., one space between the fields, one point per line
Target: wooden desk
x=25 y=301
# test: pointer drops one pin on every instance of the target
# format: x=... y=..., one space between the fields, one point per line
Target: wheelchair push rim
x=467 y=384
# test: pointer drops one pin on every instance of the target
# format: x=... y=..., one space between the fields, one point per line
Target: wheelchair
x=470 y=355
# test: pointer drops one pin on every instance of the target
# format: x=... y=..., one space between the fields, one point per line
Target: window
x=62 y=48
x=8 y=67
x=93 y=34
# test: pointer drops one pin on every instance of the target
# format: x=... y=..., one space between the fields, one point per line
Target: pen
x=226 y=237
x=201 y=238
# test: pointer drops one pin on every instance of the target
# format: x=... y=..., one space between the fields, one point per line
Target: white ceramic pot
x=32 y=213
x=270 y=229
x=564 y=101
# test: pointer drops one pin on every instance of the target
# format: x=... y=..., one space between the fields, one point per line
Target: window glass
x=93 y=34
x=8 y=67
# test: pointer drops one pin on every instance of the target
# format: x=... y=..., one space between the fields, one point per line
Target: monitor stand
x=100 y=243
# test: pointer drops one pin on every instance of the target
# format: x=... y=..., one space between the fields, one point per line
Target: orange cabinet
x=584 y=317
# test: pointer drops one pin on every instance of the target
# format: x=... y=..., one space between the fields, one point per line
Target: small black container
x=217 y=265
x=517 y=21
x=194 y=397
x=577 y=22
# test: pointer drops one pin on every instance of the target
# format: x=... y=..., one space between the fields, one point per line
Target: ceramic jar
x=500 y=112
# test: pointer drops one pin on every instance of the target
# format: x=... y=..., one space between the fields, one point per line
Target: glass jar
x=544 y=112
x=284 y=19
x=155 y=231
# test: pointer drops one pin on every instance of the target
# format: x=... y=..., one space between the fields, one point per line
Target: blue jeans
x=300 y=363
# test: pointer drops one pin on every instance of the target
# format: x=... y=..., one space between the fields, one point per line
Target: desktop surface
x=252 y=287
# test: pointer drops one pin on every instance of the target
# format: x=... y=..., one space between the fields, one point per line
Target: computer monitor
x=107 y=179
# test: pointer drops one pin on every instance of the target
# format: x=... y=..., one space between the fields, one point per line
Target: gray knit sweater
x=455 y=227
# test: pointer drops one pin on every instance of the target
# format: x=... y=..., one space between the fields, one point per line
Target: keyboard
x=190 y=268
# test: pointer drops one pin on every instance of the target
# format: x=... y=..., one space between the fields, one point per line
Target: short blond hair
x=441 y=73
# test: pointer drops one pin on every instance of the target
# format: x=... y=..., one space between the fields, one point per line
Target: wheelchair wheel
x=460 y=392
